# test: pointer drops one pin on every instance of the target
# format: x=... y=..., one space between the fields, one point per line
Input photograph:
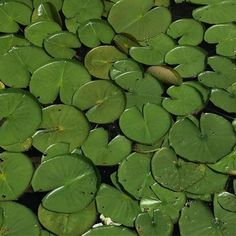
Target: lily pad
x=189 y=31
x=99 y=60
x=103 y=101
x=101 y=152
x=187 y=67
x=227 y=48
x=20 y=116
x=56 y=3
x=68 y=224
x=18 y=220
x=140 y=16
x=61 y=123
x=95 y=32
x=19 y=147
x=227 y=201
x=146 y=126
x=116 y=205
x=72 y=181
x=58 y=77
x=210 y=143
x=16 y=171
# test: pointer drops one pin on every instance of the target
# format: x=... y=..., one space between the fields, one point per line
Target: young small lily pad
x=154 y=51
x=16 y=171
x=68 y=224
x=62 y=44
x=181 y=55
x=101 y=152
x=72 y=181
x=214 y=139
x=103 y=101
x=139 y=126
x=140 y=16
x=94 y=32
x=116 y=205
x=66 y=77
x=61 y=123
x=189 y=31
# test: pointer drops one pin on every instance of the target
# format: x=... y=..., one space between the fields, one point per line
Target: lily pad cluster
x=117 y=117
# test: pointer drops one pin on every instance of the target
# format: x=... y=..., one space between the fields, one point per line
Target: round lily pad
x=72 y=181
x=101 y=152
x=61 y=123
x=16 y=171
x=66 y=77
x=20 y=116
x=211 y=142
x=146 y=126
x=103 y=101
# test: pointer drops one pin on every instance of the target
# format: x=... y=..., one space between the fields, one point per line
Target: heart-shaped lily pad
x=56 y=3
x=61 y=123
x=141 y=16
x=12 y=14
x=18 y=220
x=72 y=181
x=94 y=32
x=158 y=224
x=189 y=31
x=216 y=13
x=224 y=73
x=99 y=60
x=146 y=126
x=38 y=31
x=16 y=171
x=17 y=65
x=100 y=152
x=214 y=140
x=58 y=77
x=173 y=173
x=68 y=224
x=103 y=101
x=116 y=205
x=20 y=116
x=181 y=55
x=140 y=185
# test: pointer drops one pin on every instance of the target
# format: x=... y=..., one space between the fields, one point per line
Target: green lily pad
x=99 y=60
x=116 y=205
x=83 y=9
x=162 y=3
x=36 y=32
x=146 y=126
x=159 y=224
x=224 y=73
x=72 y=181
x=174 y=173
x=165 y=200
x=12 y=14
x=165 y=74
x=68 y=224
x=18 y=220
x=210 y=143
x=66 y=77
x=189 y=31
x=110 y=230
x=140 y=165
x=16 y=171
x=7 y=42
x=19 y=147
x=17 y=65
x=20 y=116
x=191 y=60
x=227 y=201
x=72 y=24
x=184 y=100
x=154 y=51
x=26 y=2
x=101 y=152
x=56 y=3
x=103 y=101
x=61 y=123
x=140 y=16
x=227 y=48
x=216 y=13
x=92 y=33
x=46 y=233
